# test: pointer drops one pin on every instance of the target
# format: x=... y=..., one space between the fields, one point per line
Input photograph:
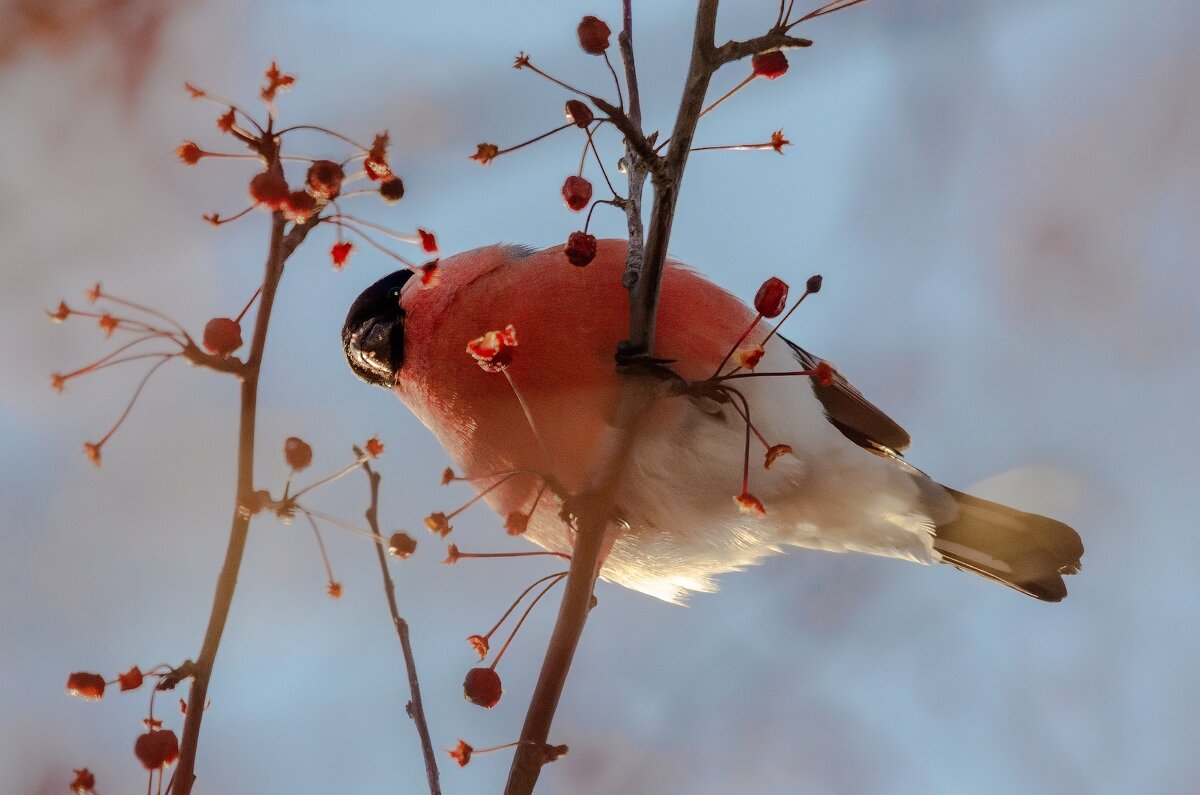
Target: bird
x=839 y=482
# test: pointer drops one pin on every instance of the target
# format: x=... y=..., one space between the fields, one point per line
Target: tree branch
x=280 y=248
x=592 y=510
x=776 y=39
x=416 y=709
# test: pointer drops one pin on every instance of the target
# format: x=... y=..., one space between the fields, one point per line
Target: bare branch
x=416 y=709
x=776 y=39
x=280 y=248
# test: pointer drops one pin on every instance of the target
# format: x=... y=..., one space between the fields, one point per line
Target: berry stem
x=733 y=349
x=166 y=357
x=329 y=479
x=480 y=495
x=249 y=304
x=529 y=419
x=325 y=130
x=518 y=601
x=555 y=581
x=416 y=709
x=146 y=309
x=334 y=219
x=320 y=545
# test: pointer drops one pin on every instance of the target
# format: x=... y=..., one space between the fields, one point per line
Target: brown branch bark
x=416 y=709
x=643 y=279
x=280 y=248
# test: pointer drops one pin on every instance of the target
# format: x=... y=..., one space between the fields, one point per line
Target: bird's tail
x=1022 y=550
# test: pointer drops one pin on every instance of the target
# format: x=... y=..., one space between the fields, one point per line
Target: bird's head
x=373 y=335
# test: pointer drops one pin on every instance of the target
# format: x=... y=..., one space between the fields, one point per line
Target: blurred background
x=1004 y=199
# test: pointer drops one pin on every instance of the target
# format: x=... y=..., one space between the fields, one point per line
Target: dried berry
x=482 y=687
x=84 y=782
x=593 y=35
x=376 y=164
x=131 y=679
x=771 y=298
x=576 y=192
x=770 y=64
x=156 y=748
x=748 y=358
x=298 y=206
x=813 y=285
x=461 y=753
x=189 y=153
x=85 y=685
x=324 y=179
x=579 y=114
x=493 y=351
x=297 y=452
x=392 y=189
x=340 y=252
x=438 y=523
x=774 y=452
x=401 y=545
x=516 y=523
x=428 y=241
x=748 y=503
x=269 y=189
x=486 y=153
x=825 y=374
x=480 y=644
x=222 y=336
x=580 y=248
x=334 y=589
x=374 y=447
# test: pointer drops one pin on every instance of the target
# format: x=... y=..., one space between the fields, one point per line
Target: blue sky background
x=1004 y=199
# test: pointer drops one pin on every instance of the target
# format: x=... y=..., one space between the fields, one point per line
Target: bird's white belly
x=680 y=526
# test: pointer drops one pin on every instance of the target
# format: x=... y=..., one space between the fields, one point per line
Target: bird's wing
x=852 y=414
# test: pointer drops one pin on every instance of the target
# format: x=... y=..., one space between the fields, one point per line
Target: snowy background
x=1004 y=199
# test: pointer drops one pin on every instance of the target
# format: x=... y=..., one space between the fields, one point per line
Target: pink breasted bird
x=844 y=487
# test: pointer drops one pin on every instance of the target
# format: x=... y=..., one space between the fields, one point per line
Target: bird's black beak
x=373 y=334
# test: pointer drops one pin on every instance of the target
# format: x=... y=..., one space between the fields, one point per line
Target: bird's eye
x=395 y=293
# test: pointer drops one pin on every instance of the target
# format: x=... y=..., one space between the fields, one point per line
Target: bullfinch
x=841 y=485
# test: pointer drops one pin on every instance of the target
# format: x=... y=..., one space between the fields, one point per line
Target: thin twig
x=416 y=709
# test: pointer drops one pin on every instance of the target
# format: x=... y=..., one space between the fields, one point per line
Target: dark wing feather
x=851 y=413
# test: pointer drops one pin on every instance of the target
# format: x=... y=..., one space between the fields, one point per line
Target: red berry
x=579 y=114
x=580 y=248
x=269 y=189
x=428 y=241
x=577 y=193
x=392 y=189
x=593 y=35
x=771 y=297
x=482 y=687
x=222 y=336
x=85 y=685
x=156 y=749
x=770 y=64
x=324 y=179
x=297 y=453
x=298 y=206
x=401 y=545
